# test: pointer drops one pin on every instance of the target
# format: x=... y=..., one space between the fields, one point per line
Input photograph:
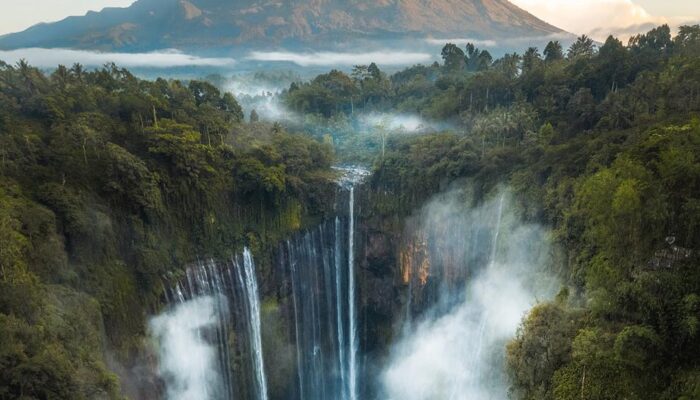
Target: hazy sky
x=599 y=17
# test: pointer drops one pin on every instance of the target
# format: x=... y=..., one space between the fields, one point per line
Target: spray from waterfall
x=188 y=367
x=457 y=352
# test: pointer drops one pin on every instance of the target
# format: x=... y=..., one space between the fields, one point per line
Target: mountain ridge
x=208 y=24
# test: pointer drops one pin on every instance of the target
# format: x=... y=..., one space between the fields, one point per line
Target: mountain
x=221 y=24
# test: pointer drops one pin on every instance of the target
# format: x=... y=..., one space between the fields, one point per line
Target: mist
x=187 y=362
x=305 y=59
x=463 y=42
x=399 y=122
x=162 y=59
x=456 y=350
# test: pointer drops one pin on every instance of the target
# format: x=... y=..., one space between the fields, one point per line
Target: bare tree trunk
x=85 y=151
x=487 y=99
x=155 y=117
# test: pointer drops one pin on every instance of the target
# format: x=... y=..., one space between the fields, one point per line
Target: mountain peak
x=202 y=24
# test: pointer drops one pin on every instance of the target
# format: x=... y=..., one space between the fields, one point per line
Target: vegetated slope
x=600 y=144
x=108 y=186
x=156 y=24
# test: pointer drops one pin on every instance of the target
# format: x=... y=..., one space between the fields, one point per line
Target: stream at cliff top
x=468 y=274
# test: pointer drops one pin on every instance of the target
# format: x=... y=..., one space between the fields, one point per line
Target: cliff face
x=190 y=24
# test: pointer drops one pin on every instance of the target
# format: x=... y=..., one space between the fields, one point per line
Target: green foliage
x=602 y=146
x=109 y=183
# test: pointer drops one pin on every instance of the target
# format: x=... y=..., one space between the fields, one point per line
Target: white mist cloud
x=397 y=122
x=50 y=58
x=459 y=354
x=187 y=362
x=598 y=18
x=463 y=42
x=389 y=58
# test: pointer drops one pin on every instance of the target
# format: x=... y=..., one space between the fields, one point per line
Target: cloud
x=342 y=59
x=463 y=41
x=596 y=18
x=50 y=58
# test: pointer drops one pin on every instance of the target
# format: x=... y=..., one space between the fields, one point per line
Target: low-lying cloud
x=398 y=122
x=463 y=42
x=50 y=58
x=387 y=58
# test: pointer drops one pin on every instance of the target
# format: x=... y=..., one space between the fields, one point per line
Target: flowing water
x=472 y=273
x=215 y=302
x=488 y=268
x=320 y=264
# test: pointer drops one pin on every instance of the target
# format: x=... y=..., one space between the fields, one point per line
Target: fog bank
x=50 y=58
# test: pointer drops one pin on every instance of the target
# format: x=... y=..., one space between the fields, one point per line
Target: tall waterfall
x=196 y=333
x=320 y=265
x=252 y=298
x=342 y=361
x=351 y=296
x=210 y=337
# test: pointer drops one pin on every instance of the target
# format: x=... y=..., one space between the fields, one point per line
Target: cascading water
x=342 y=361
x=352 y=176
x=195 y=334
x=248 y=281
x=488 y=269
x=351 y=296
x=320 y=265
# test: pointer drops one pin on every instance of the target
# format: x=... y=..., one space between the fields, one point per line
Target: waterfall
x=252 y=298
x=351 y=296
x=320 y=268
x=319 y=321
x=195 y=333
x=497 y=267
x=497 y=230
x=339 y=312
x=214 y=312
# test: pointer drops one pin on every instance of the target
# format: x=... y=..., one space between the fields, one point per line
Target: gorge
x=468 y=272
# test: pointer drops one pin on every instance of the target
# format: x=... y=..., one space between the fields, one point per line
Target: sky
x=598 y=18
x=623 y=18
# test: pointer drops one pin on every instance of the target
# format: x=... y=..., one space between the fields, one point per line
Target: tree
x=582 y=109
x=688 y=40
x=254 y=116
x=484 y=61
x=531 y=60
x=612 y=67
x=374 y=71
x=583 y=47
x=553 y=52
x=453 y=57
x=658 y=39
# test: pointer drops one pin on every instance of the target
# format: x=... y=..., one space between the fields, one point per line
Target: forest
x=600 y=143
x=111 y=183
